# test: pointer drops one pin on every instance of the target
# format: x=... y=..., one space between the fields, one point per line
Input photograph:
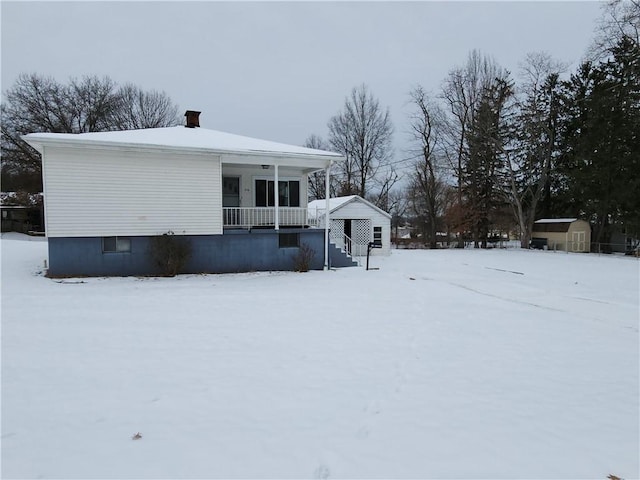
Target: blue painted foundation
x=234 y=251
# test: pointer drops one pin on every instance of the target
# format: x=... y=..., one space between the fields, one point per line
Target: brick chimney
x=193 y=118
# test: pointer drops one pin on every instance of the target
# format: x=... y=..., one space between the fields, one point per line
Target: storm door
x=230 y=191
x=230 y=201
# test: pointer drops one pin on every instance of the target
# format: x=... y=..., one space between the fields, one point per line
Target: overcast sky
x=279 y=71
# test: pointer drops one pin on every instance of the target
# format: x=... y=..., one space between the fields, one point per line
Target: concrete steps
x=338 y=258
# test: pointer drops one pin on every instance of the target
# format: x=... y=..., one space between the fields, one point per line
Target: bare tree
x=91 y=102
x=362 y=132
x=528 y=165
x=620 y=18
x=383 y=183
x=427 y=185
x=398 y=206
x=317 y=183
x=143 y=109
x=37 y=103
x=33 y=104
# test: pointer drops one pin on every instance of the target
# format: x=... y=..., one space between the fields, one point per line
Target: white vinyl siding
x=90 y=192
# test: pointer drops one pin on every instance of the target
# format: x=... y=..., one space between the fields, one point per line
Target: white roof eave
x=354 y=198
x=317 y=162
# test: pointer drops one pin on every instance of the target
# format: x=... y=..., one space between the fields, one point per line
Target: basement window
x=288 y=240
x=116 y=245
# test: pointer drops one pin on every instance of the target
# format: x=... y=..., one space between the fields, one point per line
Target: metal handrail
x=316 y=217
x=348 y=247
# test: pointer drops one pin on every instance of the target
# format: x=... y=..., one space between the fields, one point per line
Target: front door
x=231 y=199
x=230 y=191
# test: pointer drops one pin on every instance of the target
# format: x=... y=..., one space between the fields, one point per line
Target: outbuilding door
x=348 y=239
x=357 y=230
x=578 y=242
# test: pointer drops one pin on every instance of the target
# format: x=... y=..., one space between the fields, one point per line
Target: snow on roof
x=556 y=220
x=337 y=202
x=180 y=138
x=334 y=203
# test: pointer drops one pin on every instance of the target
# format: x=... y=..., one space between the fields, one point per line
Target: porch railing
x=247 y=217
x=317 y=217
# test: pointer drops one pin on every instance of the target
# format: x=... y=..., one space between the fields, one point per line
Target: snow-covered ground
x=441 y=364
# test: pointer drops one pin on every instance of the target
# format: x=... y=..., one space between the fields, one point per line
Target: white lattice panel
x=361 y=230
x=336 y=233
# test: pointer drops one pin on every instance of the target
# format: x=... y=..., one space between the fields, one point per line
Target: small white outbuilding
x=354 y=223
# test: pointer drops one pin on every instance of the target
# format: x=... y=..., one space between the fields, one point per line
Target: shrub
x=302 y=260
x=170 y=253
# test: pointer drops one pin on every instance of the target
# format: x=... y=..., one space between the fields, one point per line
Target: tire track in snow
x=520 y=302
x=544 y=307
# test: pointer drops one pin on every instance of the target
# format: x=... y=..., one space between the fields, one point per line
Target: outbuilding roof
x=556 y=220
x=553 y=224
x=179 y=138
x=339 y=202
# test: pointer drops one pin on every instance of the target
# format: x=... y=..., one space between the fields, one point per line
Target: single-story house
x=354 y=223
x=240 y=203
x=566 y=234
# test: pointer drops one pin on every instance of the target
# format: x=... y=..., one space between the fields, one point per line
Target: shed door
x=578 y=243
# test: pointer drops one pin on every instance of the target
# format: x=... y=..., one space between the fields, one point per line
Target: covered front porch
x=268 y=195
x=264 y=192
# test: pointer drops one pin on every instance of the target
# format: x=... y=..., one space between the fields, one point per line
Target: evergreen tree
x=488 y=138
x=601 y=160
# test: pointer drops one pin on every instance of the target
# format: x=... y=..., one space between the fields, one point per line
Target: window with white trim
x=377 y=235
x=288 y=193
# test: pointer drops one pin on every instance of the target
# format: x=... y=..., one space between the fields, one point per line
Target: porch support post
x=326 y=218
x=276 y=198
